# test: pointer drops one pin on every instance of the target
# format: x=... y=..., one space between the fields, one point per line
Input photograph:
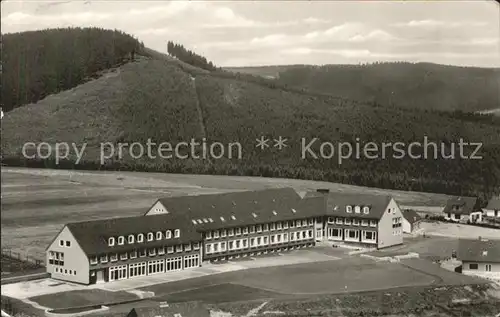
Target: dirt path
x=201 y=116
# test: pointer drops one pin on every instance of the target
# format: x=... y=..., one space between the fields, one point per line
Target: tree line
x=39 y=63
x=189 y=57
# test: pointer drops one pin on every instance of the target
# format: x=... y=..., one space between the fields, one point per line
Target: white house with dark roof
x=179 y=233
x=463 y=209
x=480 y=257
x=493 y=208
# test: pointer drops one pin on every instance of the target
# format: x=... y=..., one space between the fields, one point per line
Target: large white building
x=179 y=233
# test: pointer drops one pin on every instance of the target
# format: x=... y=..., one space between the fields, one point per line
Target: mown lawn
x=82 y=298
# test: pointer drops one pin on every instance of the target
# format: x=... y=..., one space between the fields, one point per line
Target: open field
x=36 y=203
x=352 y=274
x=453 y=230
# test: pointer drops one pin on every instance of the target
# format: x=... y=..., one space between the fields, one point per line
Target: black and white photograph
x=250 y=158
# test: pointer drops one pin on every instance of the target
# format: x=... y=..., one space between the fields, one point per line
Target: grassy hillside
x=407 y=85
x=159 y=99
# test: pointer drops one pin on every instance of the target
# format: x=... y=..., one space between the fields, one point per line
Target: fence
x=8 y=254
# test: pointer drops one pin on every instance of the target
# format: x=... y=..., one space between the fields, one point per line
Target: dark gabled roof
x=479 y=250
x=186 y=309
x=411 y=216
x=465 y=205
x=93 y=235
x=240 y=202
x=493 y=204
x=243 y=208
x=336 y=204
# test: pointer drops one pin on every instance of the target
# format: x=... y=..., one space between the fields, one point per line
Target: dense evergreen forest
x=189 y=57
x=395 y=84
x=38 y=63
x=156 y=98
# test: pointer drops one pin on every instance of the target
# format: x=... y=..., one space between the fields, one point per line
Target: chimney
x=323 y=190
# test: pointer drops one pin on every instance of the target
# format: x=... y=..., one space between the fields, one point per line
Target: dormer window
x=357 y=209
x=140 y=238
x=111 y=241
x=233 y=217
x=348 y=209
x=168 y=234
x=222 y=219
x=294 y=211
x=158 y=235
x=254 y=214
x=121 y=240
x=274 y=212
x=366 y=210
x=177 y=233
x=131 y=238
x=150 y=236
x=485 y=253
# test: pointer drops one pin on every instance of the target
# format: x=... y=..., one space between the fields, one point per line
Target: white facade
x=406 y=226
x=476 y=216
x=489 y=270
x=492 y=213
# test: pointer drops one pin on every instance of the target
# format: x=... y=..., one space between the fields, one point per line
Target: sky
x=252 y=33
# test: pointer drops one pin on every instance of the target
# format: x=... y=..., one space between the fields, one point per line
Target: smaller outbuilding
x=411 y=221
x=492 y=210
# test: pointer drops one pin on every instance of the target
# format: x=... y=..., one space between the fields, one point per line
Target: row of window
x=354 y=222
x=233 y=217
x=140 y=237
x=153 y=267
x=357 y=209
x=475 y=266
x=280 y=225
x=65 y=271
x=351 y=234
x=64 y=243
x=397 y=232
x=56 y=255
x=144 y=252
x=257 y=241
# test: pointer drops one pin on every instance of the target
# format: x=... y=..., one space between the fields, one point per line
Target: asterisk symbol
x=262 y=142
x=280 y=143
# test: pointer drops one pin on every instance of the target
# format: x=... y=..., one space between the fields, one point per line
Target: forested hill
x=407 y=85
x=163 y=99
x=38 y=63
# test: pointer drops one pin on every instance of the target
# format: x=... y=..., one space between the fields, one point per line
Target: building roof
x=336 y=204
x=206 y=212
x=186 y=309
x=479 y=250
x=461 y=205
x=92 y=236
x=411 y=216
x=493 y=204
